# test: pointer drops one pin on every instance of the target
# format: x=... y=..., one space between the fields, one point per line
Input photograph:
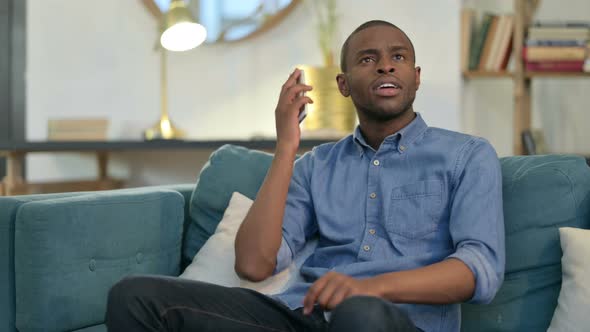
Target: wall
x=560 y=106
x=96 y=58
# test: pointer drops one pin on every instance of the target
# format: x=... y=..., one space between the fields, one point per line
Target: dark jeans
x=155 y=303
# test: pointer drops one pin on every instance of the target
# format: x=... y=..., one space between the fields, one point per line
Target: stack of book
x=486 y=46
x=557 y=47
x=77 y=129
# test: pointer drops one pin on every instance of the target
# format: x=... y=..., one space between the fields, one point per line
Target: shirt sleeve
x=477 y=220
x=299 y=223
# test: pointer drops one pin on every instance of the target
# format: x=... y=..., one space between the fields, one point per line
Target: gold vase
x=331 y=114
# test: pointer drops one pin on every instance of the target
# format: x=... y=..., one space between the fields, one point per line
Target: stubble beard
x=378 y=114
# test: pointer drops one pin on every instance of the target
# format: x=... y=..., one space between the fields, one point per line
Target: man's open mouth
x=387 y=89
x=388 y=86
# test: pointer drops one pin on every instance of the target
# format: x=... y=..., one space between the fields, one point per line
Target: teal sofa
x=61 y=253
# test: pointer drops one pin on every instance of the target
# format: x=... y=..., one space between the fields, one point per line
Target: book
x=551 y=33
x=508 y=53
x=503 y=50
x=555 y=43
x=490 y=40
x=478 y=41
x=495 y=51
x=542 y=53
x=561 y=24
x=467 y=24
x=555 y=66
x=533 y=141
x=528 y=142
x=77 y=129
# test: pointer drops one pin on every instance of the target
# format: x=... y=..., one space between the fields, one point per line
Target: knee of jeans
x=130 y=287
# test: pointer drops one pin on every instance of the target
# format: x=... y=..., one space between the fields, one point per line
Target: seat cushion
x=230 y=168
x=95 y=328
x=540 y=194
x=70 y=251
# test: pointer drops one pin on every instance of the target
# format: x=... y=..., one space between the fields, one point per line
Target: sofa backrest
x=230 y=168
x=540 y=194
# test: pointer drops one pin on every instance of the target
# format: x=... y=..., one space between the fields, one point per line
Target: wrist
x=380 y=286
x=286 y=149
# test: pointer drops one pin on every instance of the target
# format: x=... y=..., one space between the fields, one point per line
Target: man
x=408 y=217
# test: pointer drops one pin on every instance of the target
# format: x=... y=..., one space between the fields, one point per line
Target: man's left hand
x=333 y=288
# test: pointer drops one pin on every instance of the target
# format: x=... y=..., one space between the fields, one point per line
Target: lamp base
x=163 y=129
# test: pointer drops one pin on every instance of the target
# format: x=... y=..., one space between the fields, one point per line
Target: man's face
x=381 y=77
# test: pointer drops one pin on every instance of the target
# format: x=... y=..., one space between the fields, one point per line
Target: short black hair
x=369 y=24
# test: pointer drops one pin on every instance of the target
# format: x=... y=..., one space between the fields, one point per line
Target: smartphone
x=303 y=110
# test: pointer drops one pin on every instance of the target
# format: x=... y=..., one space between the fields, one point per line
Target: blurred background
x=82 y=59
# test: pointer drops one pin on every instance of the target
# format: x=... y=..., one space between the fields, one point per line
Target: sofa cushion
x=95 y=328
x=214 y=263
x=540 y=194
x=571 y=314
x=69 y=252
x=230 y=168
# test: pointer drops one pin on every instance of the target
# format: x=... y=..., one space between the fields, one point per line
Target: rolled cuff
x=487 y=279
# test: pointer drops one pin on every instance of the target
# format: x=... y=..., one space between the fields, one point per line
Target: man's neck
x=374 y=132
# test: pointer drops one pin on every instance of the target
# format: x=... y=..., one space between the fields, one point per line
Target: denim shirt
x=425 y=195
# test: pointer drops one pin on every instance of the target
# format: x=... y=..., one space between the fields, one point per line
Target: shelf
x=54 y=146
x=528 y=74
x=487 y=74
x=531 y=74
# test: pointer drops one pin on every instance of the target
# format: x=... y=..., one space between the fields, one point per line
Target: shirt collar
x=400 y=140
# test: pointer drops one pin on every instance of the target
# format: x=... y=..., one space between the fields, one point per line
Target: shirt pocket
x=414 y=209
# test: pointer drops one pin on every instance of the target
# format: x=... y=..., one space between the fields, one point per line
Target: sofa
x=61 y=253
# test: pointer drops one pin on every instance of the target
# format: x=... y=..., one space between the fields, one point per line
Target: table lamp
x=179 y=32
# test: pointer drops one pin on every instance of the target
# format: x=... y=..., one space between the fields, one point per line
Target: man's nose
x=386 y=67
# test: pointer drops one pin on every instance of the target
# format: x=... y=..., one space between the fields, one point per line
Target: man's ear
x=418 y=71
x=343 y=85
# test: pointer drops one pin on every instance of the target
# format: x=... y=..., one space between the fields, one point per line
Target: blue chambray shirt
x=425 y=195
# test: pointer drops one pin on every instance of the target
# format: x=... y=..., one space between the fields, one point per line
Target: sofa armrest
x=70 y=251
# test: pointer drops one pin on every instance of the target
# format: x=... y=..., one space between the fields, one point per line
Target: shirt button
x=372 y=231
x=366 y=248
x=376 y=162
x=403 y=148
x=92 y=265
x=373 y=195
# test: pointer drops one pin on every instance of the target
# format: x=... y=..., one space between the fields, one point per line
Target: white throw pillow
x=214 y=263
x=573 y=305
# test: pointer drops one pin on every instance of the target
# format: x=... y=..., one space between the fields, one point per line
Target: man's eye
x=366 y=60
x=399 y=57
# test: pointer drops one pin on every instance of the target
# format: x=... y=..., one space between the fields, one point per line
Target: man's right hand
x=290 y=103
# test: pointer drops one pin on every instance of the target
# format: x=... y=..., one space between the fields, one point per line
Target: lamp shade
x=181 y=32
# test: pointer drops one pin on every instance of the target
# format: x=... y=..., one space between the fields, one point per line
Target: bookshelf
x=523 y=12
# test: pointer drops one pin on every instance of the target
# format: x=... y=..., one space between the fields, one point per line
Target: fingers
x=291 y=88
x=295 y=91
x=301 y=101
x=292 y=80
x=297 y=104
x=313 y=293
x=337 y=297
x=330 y=289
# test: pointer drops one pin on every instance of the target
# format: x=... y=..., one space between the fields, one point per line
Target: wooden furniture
x=523 y=12
x=15 y=183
